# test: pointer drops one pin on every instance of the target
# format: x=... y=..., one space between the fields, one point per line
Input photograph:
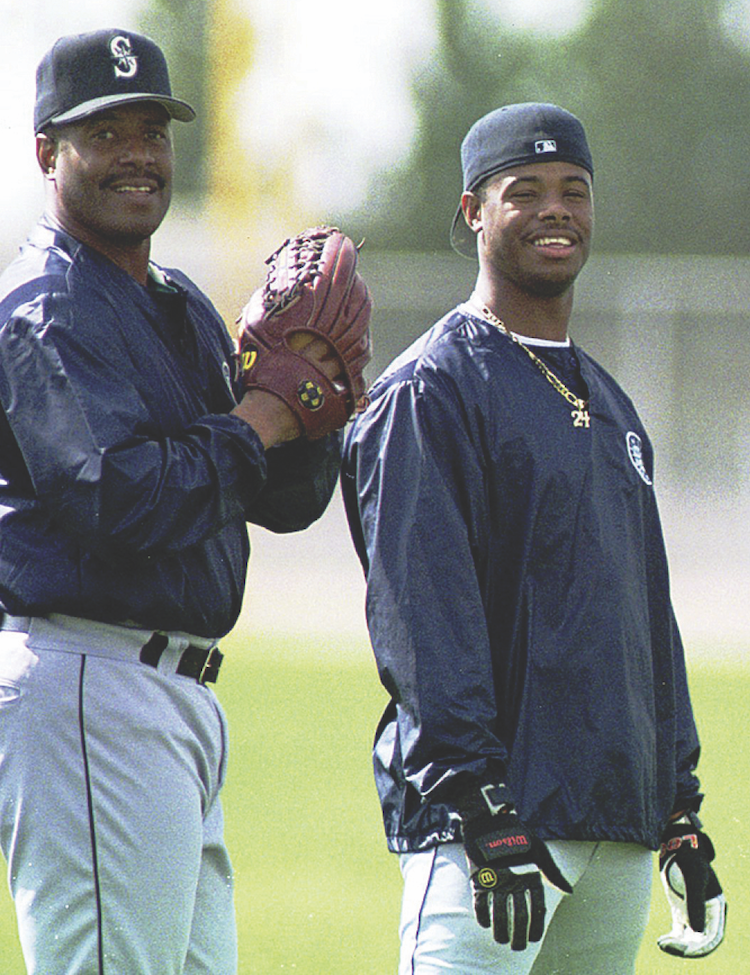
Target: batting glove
x=694 y=894
x=507 y=861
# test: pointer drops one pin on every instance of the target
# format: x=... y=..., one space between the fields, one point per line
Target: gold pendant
x=581 y=418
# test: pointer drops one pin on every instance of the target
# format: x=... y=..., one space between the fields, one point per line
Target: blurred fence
x=675 y=332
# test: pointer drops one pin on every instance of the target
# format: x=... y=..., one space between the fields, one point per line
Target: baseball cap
x=515 y=135
x=84 y=73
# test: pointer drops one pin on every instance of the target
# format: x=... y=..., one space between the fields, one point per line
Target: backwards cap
x=515 y=135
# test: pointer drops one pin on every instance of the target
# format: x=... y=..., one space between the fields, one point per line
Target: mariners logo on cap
x=125 y=62
x=545 y=145
x=310 y=395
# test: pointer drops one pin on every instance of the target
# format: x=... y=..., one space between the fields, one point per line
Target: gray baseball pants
x=597 y=930
x=110 y=819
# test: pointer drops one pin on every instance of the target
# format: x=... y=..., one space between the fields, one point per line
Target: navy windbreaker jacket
x=517 y=596
x=125 y=486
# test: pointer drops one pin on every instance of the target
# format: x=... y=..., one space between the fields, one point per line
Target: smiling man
x=130 y=464
x=111 y=176
x=539 y=743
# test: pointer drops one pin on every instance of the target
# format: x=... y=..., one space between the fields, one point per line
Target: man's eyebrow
x=572 y=178
x=98 y=117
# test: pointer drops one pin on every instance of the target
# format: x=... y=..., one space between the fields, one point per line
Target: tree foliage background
x=663 y=90
x=662 y=87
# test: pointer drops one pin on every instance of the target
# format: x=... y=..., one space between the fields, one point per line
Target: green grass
x=317 y=893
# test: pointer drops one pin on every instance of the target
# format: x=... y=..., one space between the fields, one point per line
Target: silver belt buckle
x=210 y=670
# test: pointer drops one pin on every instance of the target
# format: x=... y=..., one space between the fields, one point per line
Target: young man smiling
x=539 y=742
x=533 y=224
x=129 y=467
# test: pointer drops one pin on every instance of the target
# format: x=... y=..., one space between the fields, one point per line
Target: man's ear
x=472 y=210
x=46 y=154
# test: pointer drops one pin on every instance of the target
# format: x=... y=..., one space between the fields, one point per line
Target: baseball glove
x=312 y=291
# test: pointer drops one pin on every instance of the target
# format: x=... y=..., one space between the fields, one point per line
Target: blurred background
x=353 y=113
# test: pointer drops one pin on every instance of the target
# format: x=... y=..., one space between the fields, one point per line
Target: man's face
x=535 y=224
x=112 y=174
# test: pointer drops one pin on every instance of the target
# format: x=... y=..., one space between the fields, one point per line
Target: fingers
x=538 y=909
x=514 y=908
x=684 y=942
x=698 y=919
x=519 y=928
x=317 y=351
x=696 y=909
x=482 y=907
x=693 y=872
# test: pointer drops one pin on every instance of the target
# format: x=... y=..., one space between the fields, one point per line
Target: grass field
x=317 y=893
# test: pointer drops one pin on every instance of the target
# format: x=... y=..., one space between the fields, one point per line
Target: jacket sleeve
x=116 y=479
x=302 y=476
x=687 y=747
x=413 y=487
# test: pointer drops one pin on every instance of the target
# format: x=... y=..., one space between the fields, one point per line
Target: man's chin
x=550 y=286
x=135 y=232
x=137 y=223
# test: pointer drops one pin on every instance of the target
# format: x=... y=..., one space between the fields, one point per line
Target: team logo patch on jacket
x=635 y=452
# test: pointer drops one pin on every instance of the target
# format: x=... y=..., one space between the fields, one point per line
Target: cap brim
x=177 y=109
x=462 y=237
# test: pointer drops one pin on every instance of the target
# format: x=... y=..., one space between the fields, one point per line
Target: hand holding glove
x=507 y=861
x=693 y=890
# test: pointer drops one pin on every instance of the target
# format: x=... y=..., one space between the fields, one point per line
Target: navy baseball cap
x=84 y=73
x=516 y=135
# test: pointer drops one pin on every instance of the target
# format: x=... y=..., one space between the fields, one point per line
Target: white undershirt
x=525 y=339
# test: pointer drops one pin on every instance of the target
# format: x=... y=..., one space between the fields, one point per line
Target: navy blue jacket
x=125 y=486
x=517 y=596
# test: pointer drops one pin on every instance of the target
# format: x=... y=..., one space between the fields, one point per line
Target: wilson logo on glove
x=515 y=841
x=486 y=878
x=247 y=359
x=676 y=842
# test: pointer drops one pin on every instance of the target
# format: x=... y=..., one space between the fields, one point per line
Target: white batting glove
x=694 y=894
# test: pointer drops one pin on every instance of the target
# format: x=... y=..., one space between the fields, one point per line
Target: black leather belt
x=196 y=662
x=199 y=663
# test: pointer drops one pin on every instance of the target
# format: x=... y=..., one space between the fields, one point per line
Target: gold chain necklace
x=581 y=416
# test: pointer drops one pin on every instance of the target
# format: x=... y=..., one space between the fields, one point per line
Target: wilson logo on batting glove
x=499 y=844
x=486 y=878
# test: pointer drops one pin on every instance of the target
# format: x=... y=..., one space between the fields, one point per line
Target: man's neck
x=131 y=257
x=527 y=315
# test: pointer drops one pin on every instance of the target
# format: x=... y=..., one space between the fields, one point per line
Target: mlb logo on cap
x=516 y=135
